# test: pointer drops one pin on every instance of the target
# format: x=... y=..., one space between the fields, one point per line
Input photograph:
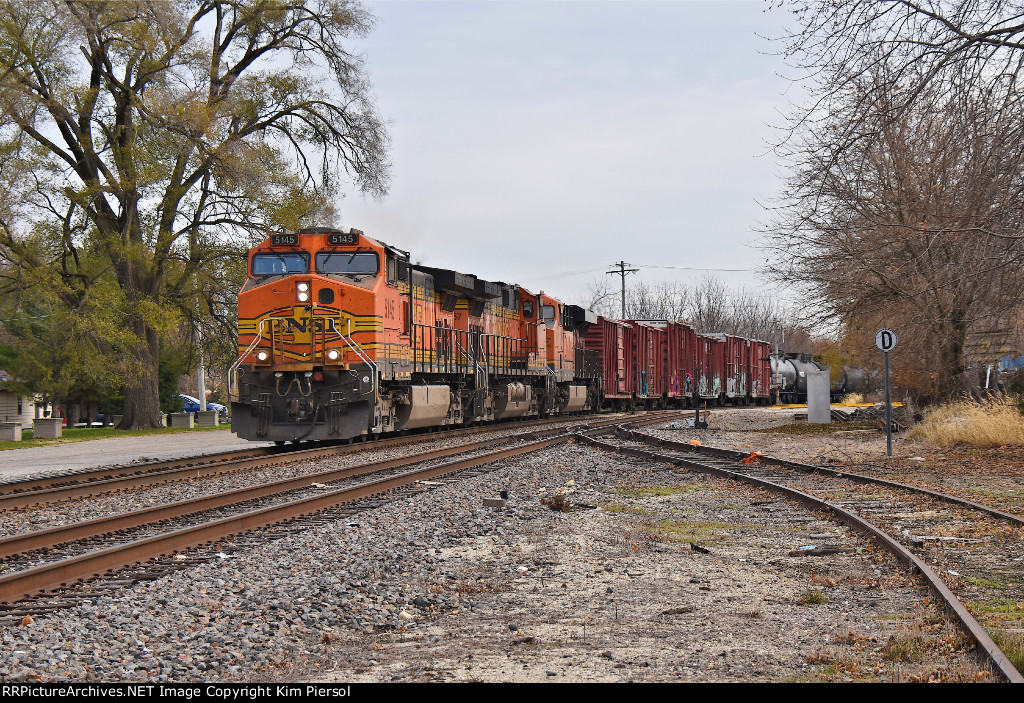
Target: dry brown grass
x=995 y=423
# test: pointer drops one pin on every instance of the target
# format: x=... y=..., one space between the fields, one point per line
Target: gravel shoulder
x=436 y=587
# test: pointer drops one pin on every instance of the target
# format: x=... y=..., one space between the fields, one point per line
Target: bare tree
x=901 y=50
x=918 y=227
x=599 y=296
x=709 y=306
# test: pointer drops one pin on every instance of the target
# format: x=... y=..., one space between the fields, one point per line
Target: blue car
x=190 y=404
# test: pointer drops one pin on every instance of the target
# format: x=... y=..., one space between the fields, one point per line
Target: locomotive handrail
x=233 y=369
x=360 y=352
x=478 y=369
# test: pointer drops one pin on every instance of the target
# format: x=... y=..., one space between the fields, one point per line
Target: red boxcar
x=679 y=361
x=710 y=367
x=656 y=363
x=611 y=339
x=647 y=380
x=760 y=372
x=735 y=359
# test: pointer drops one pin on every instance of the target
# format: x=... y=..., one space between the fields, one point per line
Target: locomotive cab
x=313 y=314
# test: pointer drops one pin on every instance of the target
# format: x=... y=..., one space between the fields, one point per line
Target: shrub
x=994 y=423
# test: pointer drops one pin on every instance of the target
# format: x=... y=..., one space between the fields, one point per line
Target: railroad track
x=151 y=536
x=109 y=479
x=902 y=519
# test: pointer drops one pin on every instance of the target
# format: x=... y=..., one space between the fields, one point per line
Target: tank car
x=791 y=372
x=340 y=336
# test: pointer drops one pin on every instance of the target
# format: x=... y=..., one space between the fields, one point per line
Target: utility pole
x=201 y=374
x=622 y=272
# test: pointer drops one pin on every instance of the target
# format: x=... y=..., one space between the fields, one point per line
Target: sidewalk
x=19 y=463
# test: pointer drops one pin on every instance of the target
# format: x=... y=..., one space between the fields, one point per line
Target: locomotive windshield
x=348 y=262
x=285 y=263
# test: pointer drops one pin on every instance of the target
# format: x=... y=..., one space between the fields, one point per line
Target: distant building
x=13 y=406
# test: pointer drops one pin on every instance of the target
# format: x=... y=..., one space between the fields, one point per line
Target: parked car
x=63 y=418
x=190 y=404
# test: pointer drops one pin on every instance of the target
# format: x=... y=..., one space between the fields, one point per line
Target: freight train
x=341 y=336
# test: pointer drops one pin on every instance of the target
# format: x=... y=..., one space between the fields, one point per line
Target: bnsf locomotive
x=340 y=336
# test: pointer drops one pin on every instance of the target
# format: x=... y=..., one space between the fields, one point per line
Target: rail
x=962 y=615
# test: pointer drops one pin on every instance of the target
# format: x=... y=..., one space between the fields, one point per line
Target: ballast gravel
x=652 y=575
x=22 y=520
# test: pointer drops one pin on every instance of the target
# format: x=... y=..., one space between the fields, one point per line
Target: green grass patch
x=1002 y=609
x=648 y=491
x=813 y=598
x=619 y=508
x=688 y=531
x=1012 y=644
x=85 y=434
x=985 y=582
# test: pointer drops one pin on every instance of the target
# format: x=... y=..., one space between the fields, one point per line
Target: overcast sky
x=540 y=142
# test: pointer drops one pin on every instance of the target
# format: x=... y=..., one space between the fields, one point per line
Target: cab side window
x=528 y=309
x=391 y=270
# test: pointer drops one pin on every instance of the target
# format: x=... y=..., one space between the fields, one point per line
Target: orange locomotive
x=340 y=336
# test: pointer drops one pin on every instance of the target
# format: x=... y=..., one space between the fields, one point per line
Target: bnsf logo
x=302 y=324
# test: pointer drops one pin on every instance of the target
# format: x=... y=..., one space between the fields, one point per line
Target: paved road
x=18 y=463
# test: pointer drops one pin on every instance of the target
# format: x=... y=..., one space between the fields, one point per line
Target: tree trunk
x=142 y=394
x=952 y=339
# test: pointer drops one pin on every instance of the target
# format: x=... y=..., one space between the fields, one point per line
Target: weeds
x=802 y=428
x=619 y=508
x=995 y=423
x=904 y=648
x=813 y=598
x=1001 y=609
x=558 y=502
x=984 y=582
x=687 y=531
x=648 y=491
x=1012 y=644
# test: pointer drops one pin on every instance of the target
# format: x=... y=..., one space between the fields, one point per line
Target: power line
x=692 y=268
x=580 y=272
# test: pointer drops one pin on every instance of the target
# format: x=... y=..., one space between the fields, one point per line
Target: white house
x=14 y=407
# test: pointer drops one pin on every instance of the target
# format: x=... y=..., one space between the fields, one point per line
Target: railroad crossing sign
x=885 y=339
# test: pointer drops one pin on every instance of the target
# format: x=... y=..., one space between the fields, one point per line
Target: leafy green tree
x=143 y=142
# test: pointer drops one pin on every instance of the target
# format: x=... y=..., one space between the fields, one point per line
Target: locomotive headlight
x=303 y=289
x=262 y=356
x=303 y=297
x=332 y=354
